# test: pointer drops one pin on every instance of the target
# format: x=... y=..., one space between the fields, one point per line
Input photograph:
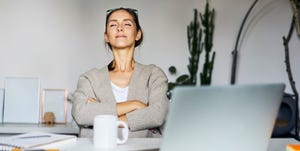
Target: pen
x=37 y=136
x=18 y=149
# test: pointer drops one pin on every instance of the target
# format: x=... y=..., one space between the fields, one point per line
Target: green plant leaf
x=182 y=78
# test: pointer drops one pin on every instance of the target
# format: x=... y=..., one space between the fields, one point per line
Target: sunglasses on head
x=128 y=9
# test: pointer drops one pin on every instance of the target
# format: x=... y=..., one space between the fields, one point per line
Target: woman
x=134 y=92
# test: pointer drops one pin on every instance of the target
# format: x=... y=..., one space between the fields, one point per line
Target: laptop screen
x=214 y=118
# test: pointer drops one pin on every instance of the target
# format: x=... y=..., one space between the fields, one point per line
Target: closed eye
x=112 y=25
x=128 y=24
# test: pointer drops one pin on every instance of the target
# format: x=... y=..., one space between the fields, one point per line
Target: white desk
x=133 y=144
x=279 y=144
x=152 y=144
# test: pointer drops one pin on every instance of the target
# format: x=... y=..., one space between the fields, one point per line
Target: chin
x=123 y=46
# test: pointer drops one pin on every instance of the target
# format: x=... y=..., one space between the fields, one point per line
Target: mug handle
x=124 y=132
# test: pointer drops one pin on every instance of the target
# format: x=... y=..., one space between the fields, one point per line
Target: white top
x=119 y=93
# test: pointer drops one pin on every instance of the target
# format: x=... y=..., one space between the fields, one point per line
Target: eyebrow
x=122 y=20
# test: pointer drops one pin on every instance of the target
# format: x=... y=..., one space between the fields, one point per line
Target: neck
x=123 y=59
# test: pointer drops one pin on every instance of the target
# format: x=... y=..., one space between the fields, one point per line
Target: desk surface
x=279 y=144
x=152 y=144
x=133 y=144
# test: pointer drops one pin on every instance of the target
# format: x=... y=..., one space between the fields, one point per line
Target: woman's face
x=121 y=30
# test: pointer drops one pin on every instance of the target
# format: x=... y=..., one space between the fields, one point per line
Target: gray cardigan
x=148 y=84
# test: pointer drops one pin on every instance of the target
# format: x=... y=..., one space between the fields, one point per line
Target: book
x=293 y=147
x=33 y=140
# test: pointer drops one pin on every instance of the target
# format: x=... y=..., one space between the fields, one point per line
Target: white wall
x=57 y=40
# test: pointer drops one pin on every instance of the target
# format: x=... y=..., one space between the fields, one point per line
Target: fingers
x=123 y=118
x=91 y=100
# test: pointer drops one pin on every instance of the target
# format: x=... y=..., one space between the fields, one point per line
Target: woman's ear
x=106 y=38
x=138 y=35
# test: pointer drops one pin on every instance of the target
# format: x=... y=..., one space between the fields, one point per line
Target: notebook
x=229 y=118
x=34 y=140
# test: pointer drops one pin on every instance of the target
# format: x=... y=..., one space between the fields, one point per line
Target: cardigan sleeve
x=154 y=115
x=83 y=112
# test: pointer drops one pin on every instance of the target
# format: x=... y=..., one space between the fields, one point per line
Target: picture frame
x=1 y=104
x=22 y=100
x=54 y=101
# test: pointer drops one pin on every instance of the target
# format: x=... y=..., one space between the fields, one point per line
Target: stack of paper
x=35 y=140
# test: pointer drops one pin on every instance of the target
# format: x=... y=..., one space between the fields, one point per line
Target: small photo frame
x=1 y=104
x=54 y=101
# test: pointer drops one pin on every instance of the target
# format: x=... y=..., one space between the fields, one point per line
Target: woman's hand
x=91 y=100
x=123 y=118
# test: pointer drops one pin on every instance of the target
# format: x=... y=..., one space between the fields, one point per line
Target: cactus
x=194 y=36
x=207 y=20
x=195 y=30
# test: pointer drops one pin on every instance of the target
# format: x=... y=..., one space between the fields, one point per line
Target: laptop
x=227 y=118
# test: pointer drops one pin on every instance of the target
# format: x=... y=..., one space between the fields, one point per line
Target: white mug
x=106 y=131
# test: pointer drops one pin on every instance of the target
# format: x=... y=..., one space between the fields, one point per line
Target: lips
x=120 y=36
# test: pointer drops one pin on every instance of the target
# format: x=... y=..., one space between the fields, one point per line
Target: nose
x=120 y=28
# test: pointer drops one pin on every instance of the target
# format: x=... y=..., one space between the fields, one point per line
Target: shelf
x=16 y=128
